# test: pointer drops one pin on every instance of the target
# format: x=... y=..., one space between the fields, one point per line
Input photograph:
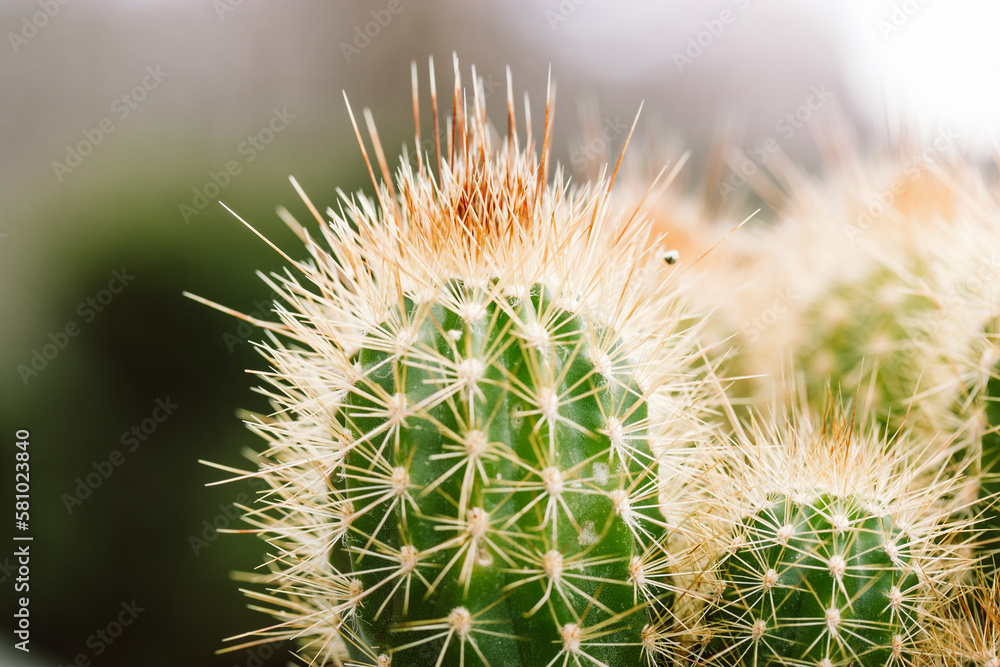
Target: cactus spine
x=470 y=416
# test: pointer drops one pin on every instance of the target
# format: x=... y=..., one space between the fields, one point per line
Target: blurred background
x=123 y=124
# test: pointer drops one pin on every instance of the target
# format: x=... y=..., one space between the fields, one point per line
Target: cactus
x=473 y=407
x=957 y=352
x=862 y=342
x=835 y=556
x=916 y=335
x=487 y=443
x=825 y=581
x=854 y=265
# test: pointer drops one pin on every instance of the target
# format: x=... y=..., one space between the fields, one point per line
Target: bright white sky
x=929 y=62
x=942 y=65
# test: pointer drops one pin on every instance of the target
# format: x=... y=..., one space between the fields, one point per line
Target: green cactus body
x=825 y=582
x=989 y=486
x=859 y=339
x=498 y=485
x=991 y=438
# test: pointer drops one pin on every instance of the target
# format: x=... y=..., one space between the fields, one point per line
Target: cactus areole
x=472 y=387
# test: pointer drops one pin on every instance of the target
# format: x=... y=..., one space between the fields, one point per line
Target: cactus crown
x=472 y=391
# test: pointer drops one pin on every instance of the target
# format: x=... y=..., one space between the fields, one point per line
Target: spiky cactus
x=820 y=581
x=850 y=271
x=473 y=406
x=835 y=556
x=861 y=341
